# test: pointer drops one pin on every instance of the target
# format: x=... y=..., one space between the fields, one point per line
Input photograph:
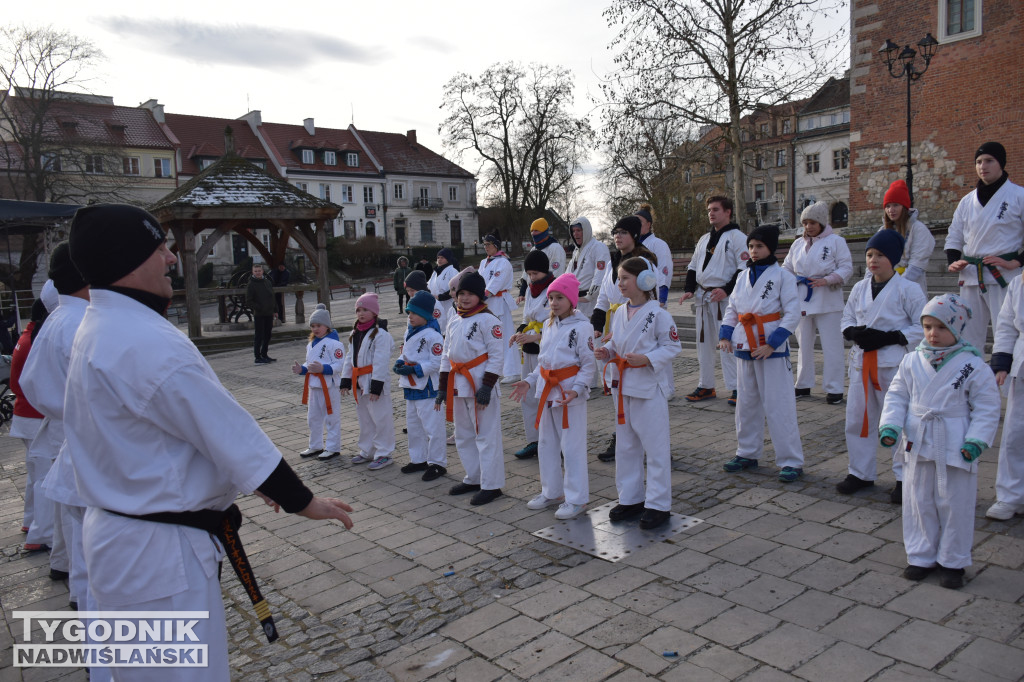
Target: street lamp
x=903 y=65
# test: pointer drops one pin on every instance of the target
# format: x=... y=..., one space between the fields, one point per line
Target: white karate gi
x=589 y=263
x=917 y=251
x=25 y=429
x=897 y=307
x=564 y=343
x=477 y=431
x=557 y=261
x=994 y=229
x=439 y=284
x=764 y=386
x=497 y=274
x=730 y=255
x=1010 y=339
x=937 y=412
x=376 y=417
x=823 y=257
x=644 y=392
x=424 y=424
x=659 y=247
x=151 y=429
x=329 y=352
x=535 y=312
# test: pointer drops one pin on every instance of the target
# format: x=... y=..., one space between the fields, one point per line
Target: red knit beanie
x=897 y=194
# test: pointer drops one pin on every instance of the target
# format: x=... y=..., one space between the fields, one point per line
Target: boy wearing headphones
x=763 y=309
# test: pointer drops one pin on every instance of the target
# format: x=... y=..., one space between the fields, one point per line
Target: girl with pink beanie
x=561 y=383
x=367 y=372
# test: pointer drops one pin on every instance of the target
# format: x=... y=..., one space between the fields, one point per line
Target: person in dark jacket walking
x=259 y=296
x=401 y=272
x=280 y=277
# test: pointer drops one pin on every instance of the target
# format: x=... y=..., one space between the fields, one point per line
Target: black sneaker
x=267 y=358
x=917 y=573
x=701 y=394
x=654 y=518
x=57 y=574
x=434 y=471
x=621 y=512
x=413 y=467
x=951 y=578
x=527 y=451
x=896 y=494
x=803 y=393
x=852 y=484
x=261 y=361
x=485 y=496
x=609 y=453
x=463 y=488
x=834 y=398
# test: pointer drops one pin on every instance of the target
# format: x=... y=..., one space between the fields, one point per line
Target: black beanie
x=108 y=241
x=767 y=235
x=993 y=149
x=417 y=280
x=66 y=277
x=630 y=224
x=473 y=282
x=536 y=261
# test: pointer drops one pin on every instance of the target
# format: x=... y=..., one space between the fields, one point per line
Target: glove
x=405 y=370
x=850 y=333
x=887 y=436
x=873 y=339
x=483 y=395
x=970 y=451
x=1001 y=362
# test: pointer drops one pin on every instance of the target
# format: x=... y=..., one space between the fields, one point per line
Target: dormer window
x=352 y=160
x=307 y=156
x=331 y=158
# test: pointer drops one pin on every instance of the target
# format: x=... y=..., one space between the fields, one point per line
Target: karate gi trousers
x=1010 y=470
x=426 y=432
x=644 y=433
x=984 y=307
x=376 y=426
x=709 y=319
x=530 y=401
x=480 y=450
x=827 y=326
x=317 y=419
x=763 y=391
x=557 y=443
x=863 y=452
x=938 y=528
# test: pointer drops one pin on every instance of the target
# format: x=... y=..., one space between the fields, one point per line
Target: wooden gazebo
x=236 y=196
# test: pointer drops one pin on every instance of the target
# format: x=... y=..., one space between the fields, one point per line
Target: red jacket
x=22 y=408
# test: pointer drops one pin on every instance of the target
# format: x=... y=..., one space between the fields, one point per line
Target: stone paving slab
x=781 y=582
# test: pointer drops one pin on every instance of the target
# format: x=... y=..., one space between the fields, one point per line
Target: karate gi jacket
x=823 y=257
x=467 y=339
x=424 y=349
x=897 y=307
x=651 y=332
x=1009 y=332
x=773 y=292
x=330 y=352
x=566 y=343
x=374 y=351
x=497 y=274
x=994 y=229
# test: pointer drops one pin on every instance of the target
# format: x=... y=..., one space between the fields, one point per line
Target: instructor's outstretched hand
x=321 y=508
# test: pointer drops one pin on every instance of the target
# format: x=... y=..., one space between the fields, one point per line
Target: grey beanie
x=320 y=316
x=818 y=212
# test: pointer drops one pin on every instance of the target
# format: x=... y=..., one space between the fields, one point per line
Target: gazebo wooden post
x=321 y=272
x=187 y=249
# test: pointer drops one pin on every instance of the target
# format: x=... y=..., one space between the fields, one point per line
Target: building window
x=759 y=162
x=426 y=231
x=303 y=186
x=367 y=194
x=780 y=188
x=787 y=126
x=93 y=163
x=50 y=161
x=453 y=194
x=424 y=192
x=307 y=156
x=352 y=160
x=206 y=163
x=780 y=157
x=330 y=158
x=346 y=194
x=266 y=239
x=813 y=163
x=687 y=176
x=766 y=129
x=840 y=159
x=325 y=191
x=959 y=19
x=399 y=191
x=162 y=168
x=350 y=229
x=260 y=163
x=371 y=229
x=131 y=165
x=758 y=192
x=703 y=169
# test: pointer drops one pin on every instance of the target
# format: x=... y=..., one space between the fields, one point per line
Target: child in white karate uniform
x=325 y=356
x=366 y=374
x=560 y=384
x=1007 y=361
x=419 y=367
x=528 y=336
x=471 y=364
x=943 y=406
x=639 y=353
x=763 y=309
x=883 y=320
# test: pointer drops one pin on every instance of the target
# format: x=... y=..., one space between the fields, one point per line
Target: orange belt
x=323 y=385
x=749 y=320
x=869 y=372
x=356 y=373
x=463 y=369
x=622 y=364
x=552 y=378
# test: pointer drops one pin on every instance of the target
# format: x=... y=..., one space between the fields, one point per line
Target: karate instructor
x=159 y=447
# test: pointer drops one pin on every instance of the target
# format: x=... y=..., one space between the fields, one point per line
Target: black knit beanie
x=995 y=150
x=767 y=235
x=416 y=280
x=108 y=241
x=536 y=261
x=474 y=283
x=630 y=224
x=66 y=277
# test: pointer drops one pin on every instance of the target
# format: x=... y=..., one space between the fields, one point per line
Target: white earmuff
x=648 y=279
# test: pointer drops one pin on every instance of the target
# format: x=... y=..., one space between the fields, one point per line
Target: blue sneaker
x=739 y=464
x=790 y=474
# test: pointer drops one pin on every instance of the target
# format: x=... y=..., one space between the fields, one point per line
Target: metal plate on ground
x=594 y=534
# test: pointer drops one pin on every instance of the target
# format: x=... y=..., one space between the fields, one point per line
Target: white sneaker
x=1003 y=511
x=568 y=510
x=541 y=502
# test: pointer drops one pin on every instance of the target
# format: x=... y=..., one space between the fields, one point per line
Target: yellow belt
x=608 y=321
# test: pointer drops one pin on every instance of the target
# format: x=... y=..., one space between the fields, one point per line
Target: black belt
x=224 y=525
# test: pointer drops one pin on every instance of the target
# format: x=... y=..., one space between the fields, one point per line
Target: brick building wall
x=972 y=92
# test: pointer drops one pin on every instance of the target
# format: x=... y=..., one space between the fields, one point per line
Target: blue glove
x=663 y=295
x=405 y=370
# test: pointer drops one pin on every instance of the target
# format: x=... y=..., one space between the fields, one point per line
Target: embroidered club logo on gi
x=436 y=349
x=664 y=270
x=1002 y=210
x=437 y=313
x=673 y=334
x=590 y=342
x=744 y=256
x=337 y=353
x=496 y=331
x=600 y=265
x=554 y=266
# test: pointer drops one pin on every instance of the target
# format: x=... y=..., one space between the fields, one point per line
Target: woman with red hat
x=919 y=242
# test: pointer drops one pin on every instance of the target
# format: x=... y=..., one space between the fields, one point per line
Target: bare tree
x=518 y=121
x=710 y=62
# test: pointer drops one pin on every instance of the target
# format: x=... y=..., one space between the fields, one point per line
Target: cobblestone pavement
x=782 y=581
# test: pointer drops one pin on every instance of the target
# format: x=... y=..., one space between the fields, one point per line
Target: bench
x=383 y=284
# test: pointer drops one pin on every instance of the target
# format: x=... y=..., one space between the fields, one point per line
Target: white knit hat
x=818 y=212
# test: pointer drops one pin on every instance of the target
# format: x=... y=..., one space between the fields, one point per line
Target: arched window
x=840 y=214
x=371 y=229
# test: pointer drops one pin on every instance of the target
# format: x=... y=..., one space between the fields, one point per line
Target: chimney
x=157 y=109
x=411 y=136
x=229 y=141
x=307 y=123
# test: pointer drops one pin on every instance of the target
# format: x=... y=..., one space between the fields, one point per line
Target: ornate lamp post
x=904 y=65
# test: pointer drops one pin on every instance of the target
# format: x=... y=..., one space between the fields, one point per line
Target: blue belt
x=806 y=281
